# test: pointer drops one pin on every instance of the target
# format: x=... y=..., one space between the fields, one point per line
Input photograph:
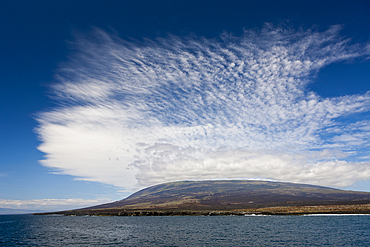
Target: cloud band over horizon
x=134 y=114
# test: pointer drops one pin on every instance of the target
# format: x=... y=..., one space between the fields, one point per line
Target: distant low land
x=4 y=211
x=232 y=197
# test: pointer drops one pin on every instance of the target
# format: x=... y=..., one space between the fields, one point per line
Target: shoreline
x=353 y=209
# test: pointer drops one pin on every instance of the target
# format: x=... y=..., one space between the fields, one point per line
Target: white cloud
x=49 y=204
x=171 y=163
x=133 y=114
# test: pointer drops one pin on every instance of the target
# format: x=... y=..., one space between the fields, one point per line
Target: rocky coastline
x=284 y=210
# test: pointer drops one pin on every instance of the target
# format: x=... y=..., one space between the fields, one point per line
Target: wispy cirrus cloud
x=134 y=114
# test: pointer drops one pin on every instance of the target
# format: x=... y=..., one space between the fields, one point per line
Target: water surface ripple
x=28 y=230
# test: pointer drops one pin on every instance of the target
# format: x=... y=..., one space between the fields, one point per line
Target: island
x=231 y=197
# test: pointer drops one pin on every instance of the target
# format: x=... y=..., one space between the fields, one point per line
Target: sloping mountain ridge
x=233 y=194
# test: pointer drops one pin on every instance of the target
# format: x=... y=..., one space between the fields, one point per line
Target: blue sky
x=102 y=98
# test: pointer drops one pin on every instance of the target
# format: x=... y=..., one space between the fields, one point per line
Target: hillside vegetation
x=226 y=194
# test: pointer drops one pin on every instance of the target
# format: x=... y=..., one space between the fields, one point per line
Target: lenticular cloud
x=134 y=114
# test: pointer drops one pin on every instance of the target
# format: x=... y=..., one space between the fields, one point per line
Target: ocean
x=313 y=230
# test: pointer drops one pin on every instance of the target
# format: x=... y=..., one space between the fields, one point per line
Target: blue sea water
x=28 y=230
